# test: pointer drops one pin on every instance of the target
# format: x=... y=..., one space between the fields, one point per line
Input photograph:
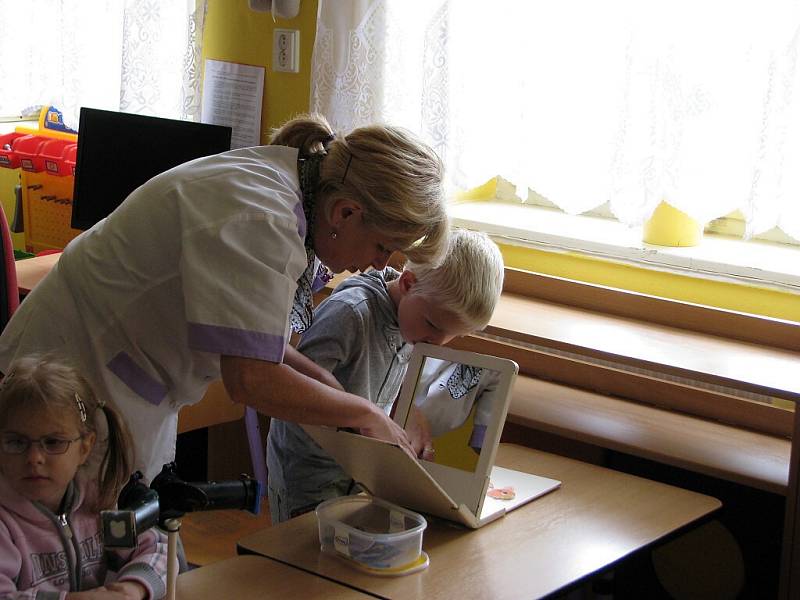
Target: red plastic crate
x=52 y=155
x=28 y=149
x=70 y=158
x=9 y=158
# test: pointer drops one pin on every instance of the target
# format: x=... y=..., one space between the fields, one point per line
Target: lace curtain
x=584 y=102
x=139 y=56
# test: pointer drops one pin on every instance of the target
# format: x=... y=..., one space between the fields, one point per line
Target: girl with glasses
x=50 y=503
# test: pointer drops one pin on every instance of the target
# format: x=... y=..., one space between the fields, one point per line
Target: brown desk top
x=256 y=578
x=31 y=271
x=597 y=517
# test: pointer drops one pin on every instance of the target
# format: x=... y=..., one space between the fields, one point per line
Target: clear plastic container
x=370 y=531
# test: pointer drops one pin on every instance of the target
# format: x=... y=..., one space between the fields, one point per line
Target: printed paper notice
x=232 y=96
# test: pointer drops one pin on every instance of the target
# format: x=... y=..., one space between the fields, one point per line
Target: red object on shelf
x=70 y=158
x=52 y=156
x=9 y=158
x=28 y=149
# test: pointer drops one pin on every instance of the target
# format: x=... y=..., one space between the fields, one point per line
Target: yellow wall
x=730 y=296
x=235 y=33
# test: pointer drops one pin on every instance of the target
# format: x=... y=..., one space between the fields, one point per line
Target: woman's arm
x=300 y=362
x=278 y=390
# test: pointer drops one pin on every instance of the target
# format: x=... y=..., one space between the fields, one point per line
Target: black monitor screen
x=118 y=152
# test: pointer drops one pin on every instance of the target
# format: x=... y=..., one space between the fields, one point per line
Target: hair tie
x=81 y=407
x=7 y=378
x=326 y=141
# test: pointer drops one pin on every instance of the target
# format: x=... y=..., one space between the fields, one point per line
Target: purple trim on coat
x=132 y=375
x=476 y=439
x=236 y=342
x=320 y=281
x=301 y=219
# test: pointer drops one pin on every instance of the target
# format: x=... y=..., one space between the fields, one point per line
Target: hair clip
x=81 y=407
x=347 y=167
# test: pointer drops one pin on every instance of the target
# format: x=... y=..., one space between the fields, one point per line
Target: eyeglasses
x=19 y=444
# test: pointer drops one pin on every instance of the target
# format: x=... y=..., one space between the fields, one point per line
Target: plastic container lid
x=373 y=533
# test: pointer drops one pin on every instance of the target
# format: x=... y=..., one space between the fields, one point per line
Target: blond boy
x=364 y=334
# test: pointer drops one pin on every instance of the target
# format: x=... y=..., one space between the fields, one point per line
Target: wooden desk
x=31 y=271
x=595 y=519
x=256 y=578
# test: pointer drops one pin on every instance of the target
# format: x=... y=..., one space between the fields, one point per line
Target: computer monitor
x=118 y=152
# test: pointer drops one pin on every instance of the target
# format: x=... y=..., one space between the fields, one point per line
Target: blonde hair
x=395 y=178
x=469 y=280
x=45 y=384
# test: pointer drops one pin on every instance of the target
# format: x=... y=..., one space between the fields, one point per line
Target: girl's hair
x=469 y=280
x=395 y=177
x=46 y=384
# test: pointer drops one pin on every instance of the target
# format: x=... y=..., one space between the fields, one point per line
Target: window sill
x=718 y=257
x=685 y=385
x=722 y=451
x=682 y=384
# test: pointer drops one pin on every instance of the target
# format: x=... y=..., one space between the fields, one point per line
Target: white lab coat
x=198 y=262
x=446 y=399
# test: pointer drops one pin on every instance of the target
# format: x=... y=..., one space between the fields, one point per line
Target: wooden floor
x=211 y=536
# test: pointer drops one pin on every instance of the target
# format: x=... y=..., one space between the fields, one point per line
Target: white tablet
x=463 y=398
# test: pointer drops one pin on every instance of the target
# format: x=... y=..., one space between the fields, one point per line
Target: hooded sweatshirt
x=356 y=336
x=43 y=555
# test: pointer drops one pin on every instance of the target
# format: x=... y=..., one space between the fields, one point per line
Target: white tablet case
x=387 y=472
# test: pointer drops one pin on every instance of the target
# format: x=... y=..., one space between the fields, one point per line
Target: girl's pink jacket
x=43 y=555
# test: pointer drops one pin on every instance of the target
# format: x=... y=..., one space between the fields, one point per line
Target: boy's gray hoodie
x=355 y=335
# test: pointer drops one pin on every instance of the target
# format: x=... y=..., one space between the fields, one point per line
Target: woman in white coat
x=204 y=271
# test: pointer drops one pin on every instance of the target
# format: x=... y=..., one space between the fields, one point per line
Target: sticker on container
x=397 y=521
x=341 y=541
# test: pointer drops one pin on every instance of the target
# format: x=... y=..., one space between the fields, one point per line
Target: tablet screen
x=458 y=400
x=455 y=403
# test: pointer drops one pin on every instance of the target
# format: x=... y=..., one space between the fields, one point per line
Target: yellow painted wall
x=452 y=448
x=730 y=296
x=234 y=32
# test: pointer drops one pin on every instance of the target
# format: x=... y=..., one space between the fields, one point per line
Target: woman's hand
x=383 y=428
x=419 y=432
